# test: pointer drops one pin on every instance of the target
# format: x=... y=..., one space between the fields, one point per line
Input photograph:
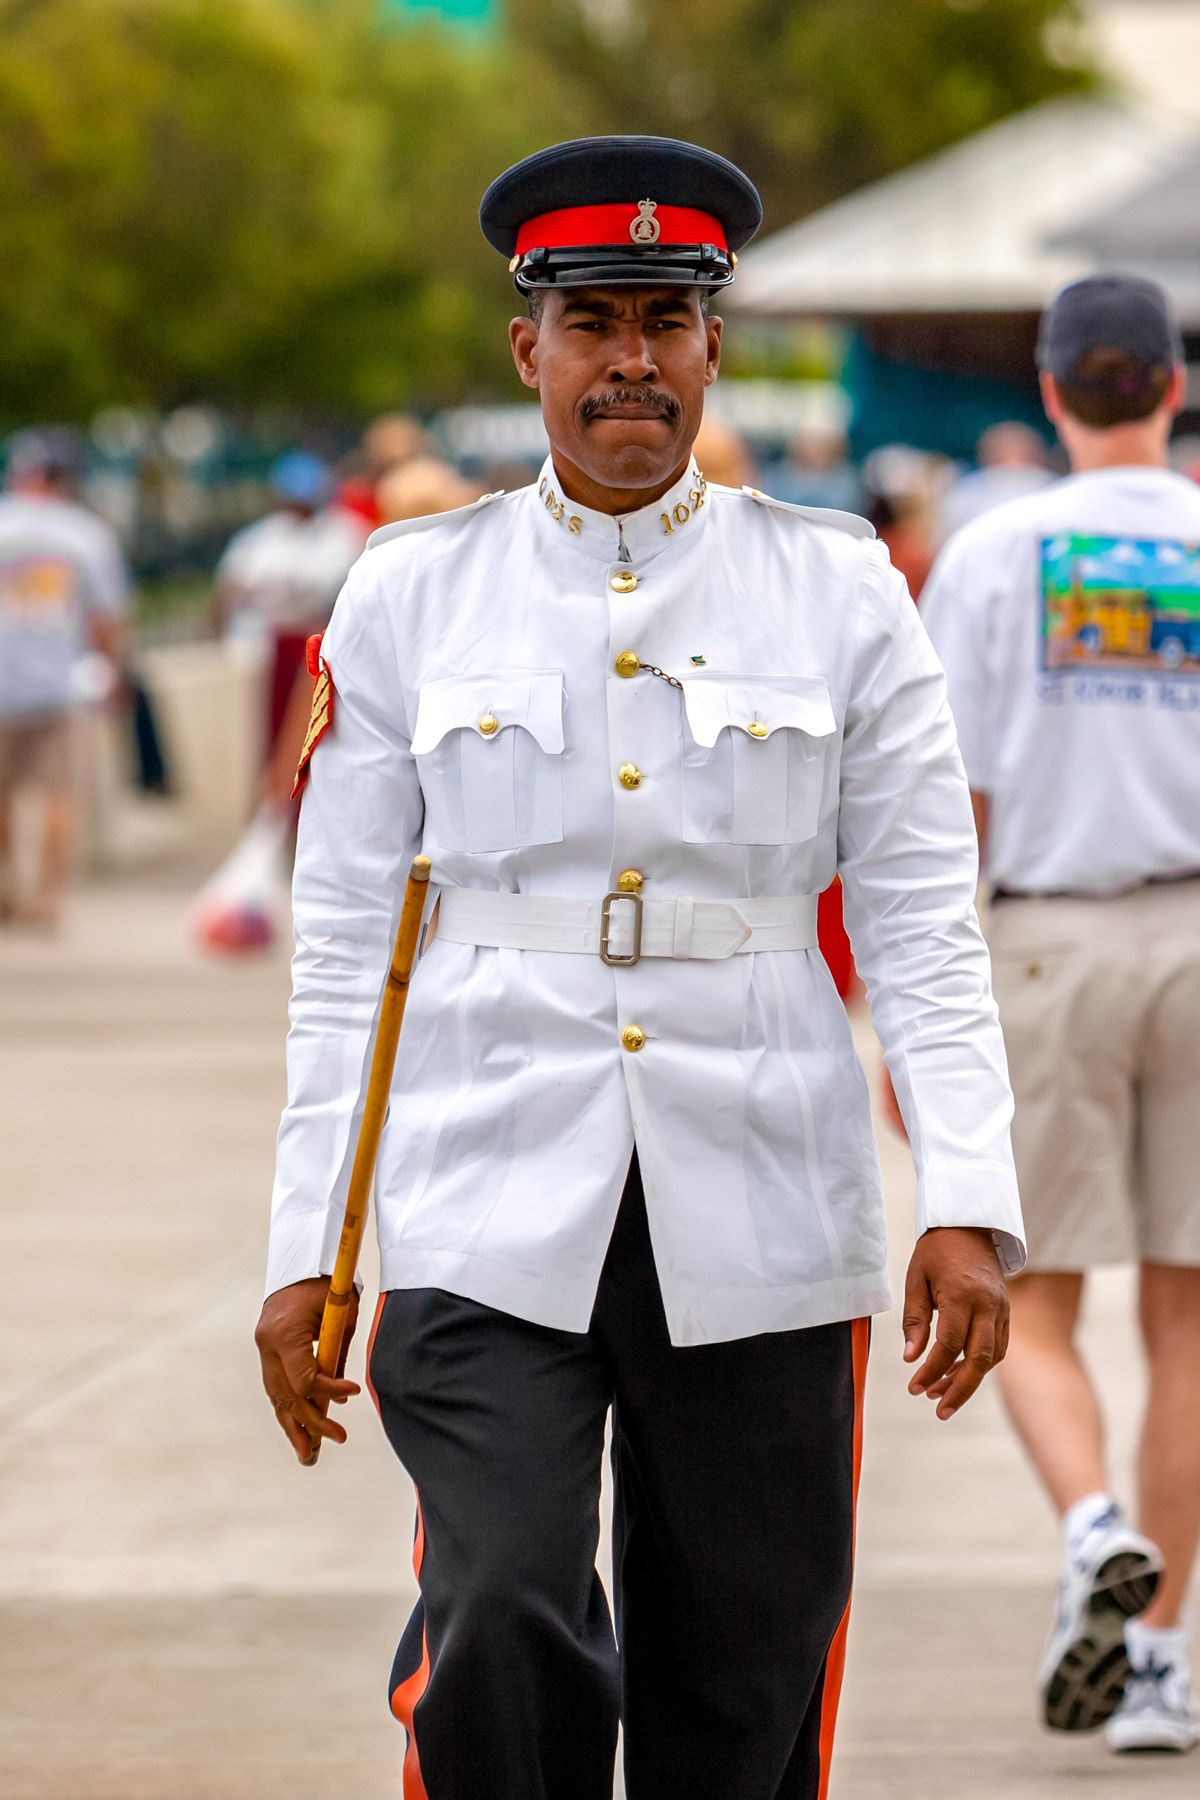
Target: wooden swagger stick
x=379 y=1087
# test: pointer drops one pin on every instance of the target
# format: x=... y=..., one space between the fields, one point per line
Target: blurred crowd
x=270 y=541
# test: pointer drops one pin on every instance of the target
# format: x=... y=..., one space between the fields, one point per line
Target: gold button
x=1033 y=971
x=630 y=881
x=488 y=724
x=629 y=775
x=628 y=663
x=633 y=1037
x=756 y=728
x=623 y=582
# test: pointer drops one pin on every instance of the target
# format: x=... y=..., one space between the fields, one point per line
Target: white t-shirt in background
x=58 y=563
x=1068 y=623
x=289 y=569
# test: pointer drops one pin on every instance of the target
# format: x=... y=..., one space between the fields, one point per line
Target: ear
x=1050 y=399
x=522 y=338
x=1176 y=396
x=713 y=329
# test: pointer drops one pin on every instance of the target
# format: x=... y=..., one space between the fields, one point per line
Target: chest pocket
x=755 y=751
x=489 y=754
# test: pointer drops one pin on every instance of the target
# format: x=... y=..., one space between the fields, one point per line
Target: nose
x=634 y=363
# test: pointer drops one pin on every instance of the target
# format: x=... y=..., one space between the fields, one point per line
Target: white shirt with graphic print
x=1068 y=623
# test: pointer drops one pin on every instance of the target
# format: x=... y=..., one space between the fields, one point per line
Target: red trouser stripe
x=408 y=1695
x=379 y=1305
x=835 y=1662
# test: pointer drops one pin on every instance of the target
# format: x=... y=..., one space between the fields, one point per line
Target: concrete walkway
x=190 y=1616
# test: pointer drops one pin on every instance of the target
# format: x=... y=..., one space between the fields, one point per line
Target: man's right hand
x=286 y=1333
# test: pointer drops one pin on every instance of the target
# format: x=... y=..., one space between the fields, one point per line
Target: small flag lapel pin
x=698 y=662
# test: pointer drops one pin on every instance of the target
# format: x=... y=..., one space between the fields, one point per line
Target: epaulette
x=403 y=527
x=817 y=515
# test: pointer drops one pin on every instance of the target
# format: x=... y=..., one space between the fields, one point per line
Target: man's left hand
x=954 y=1272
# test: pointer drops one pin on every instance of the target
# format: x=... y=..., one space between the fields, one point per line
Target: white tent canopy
x=979 y=228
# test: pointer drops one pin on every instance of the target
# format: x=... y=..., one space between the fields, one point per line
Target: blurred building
x=940 y=271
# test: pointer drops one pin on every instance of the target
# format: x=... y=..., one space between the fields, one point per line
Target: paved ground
x=189 y=1616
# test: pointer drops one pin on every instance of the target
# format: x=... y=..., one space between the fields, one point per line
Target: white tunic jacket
x=515 y=1106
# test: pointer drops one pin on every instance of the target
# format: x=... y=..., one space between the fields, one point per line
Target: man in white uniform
x=637 y=721
x=1069 y=625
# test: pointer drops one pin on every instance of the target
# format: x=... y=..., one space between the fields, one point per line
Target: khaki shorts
x=1100 y=1004
x=36 y=752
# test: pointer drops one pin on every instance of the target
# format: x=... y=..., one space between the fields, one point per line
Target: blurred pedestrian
x=1069 y=625
x=723 y=453
x=899 y=498
x=64 y=594
x=422 y=487
x=282 y=574
x=410 y=490
x=1010 y=460
x=628 y=1162
x=389 y=442
x=816 y=471
x=279 y=577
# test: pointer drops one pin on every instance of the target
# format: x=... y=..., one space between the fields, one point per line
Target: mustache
x=630 y=396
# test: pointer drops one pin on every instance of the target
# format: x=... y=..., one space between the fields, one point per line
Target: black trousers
x=735 y=1469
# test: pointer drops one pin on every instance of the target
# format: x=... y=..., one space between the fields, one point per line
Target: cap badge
x=646 y=228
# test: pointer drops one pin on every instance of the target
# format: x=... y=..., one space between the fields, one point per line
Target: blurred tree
x=429 y=297
x=812 y=97
x=273 y=201
x=249 y=201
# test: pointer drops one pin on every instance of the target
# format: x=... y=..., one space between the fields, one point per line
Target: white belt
x=622 y=928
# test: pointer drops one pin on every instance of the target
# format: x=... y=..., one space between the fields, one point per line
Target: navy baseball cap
x=601 y=211
x=1117 y=312
x=54 y=450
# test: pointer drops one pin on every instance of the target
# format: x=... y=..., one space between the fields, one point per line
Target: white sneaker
x=1108 y=1577
x=1156 y=1712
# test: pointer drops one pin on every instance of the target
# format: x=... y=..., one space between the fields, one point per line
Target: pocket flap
x=530 y=699
x=758 y=705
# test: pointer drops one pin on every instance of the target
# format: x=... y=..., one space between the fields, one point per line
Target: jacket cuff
x=978 y=1195
x=300 y=1248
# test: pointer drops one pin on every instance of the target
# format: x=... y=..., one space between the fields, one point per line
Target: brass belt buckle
x=606 y=955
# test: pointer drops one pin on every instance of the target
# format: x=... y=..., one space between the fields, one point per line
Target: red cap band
x=577 y=226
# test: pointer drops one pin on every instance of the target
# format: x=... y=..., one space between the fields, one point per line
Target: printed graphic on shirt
x=1120 y=603
x=37 y=590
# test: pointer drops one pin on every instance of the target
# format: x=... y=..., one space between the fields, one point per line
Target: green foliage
x=253 y=201
x=272 y=202
x=812 y=97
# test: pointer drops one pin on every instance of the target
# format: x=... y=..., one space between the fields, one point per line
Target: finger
x=282 y=1404
x=979 y=1356
x=299 y=1367
x=273 y=1378
x=309 y=1418
x=1002 y=1329
x=326 y=1388
x=951 y=1337
x=918 y=1313
x=347 y=1339
x=296 y=1436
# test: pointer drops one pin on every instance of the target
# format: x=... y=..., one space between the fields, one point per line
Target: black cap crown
x=1119 y=312
x=599 y=211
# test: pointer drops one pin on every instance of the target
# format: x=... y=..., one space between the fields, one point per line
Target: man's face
x=621 y=372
